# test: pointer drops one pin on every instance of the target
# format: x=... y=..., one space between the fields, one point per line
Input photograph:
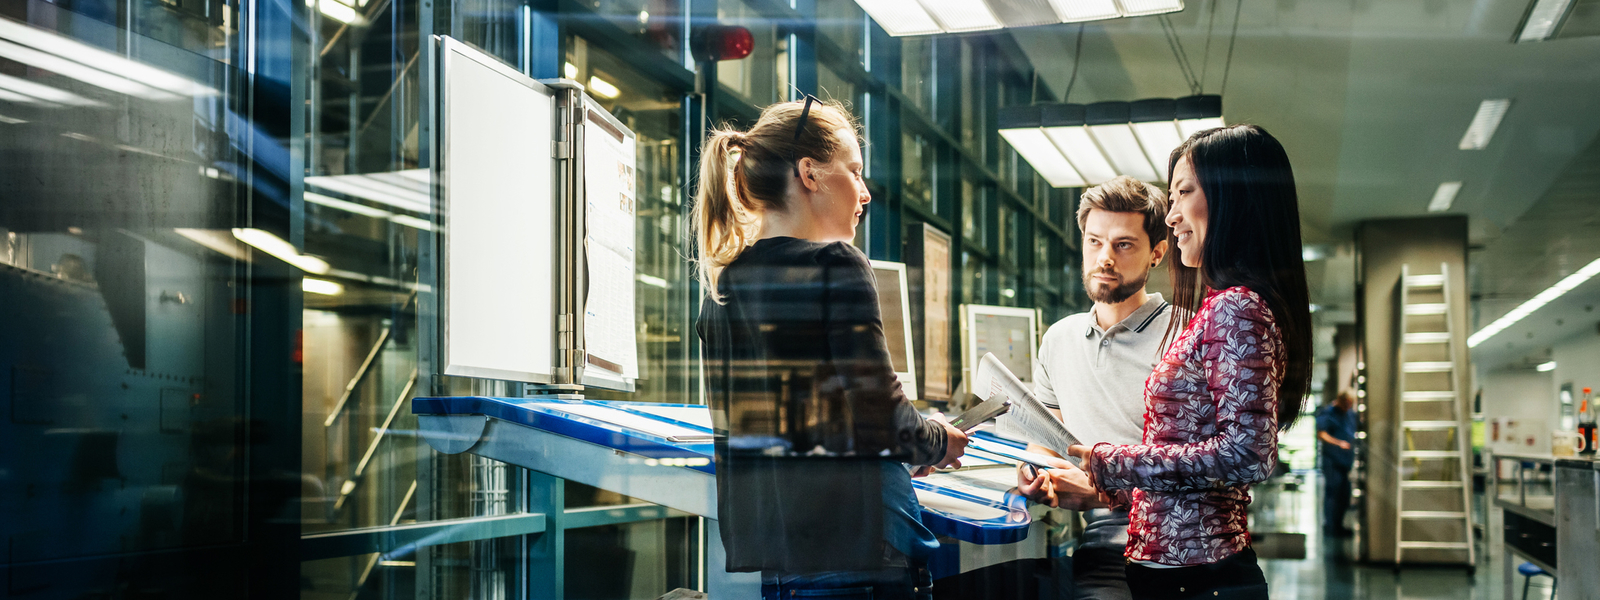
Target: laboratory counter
x=1550 y=518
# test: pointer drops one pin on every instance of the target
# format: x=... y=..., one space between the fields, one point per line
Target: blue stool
x=1529 y=570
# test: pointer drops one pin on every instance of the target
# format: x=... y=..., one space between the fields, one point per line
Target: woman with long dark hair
x=1235 y=371
x=813 y=433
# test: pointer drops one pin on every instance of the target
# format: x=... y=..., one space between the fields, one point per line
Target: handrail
x=361 y=373
x=386 y=96
x=372 y=448
x=373 y=562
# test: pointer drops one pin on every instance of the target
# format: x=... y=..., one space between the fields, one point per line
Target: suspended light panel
x=1083 y=153
x=1043 y=155
x=924 y=17
x=1158 y=138
x=1104 y=140
x=900 y=17
x=1077 y=11
x=956 y=16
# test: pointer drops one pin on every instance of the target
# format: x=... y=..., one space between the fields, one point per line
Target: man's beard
x=1103 y=294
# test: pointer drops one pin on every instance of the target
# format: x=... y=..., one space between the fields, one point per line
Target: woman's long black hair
x=1252 y=239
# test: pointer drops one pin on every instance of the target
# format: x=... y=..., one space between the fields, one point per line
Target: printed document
x=1027 y=417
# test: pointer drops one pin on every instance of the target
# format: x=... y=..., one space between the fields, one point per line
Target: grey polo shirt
x=1096 y=378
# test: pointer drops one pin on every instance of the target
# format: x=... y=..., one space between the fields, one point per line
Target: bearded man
x=1100 y=359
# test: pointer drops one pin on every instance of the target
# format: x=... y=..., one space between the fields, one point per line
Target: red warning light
x=723 y=42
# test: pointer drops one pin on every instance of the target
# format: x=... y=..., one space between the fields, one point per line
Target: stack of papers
x=1028 y=416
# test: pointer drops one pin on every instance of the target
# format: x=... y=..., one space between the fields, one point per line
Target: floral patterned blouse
x=1210 y=431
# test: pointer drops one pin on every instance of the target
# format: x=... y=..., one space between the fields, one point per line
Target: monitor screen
x=1008 y=338
x=894 y=301
x=1010 y=333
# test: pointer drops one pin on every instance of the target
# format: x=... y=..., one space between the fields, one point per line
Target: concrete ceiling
x=1371 y=98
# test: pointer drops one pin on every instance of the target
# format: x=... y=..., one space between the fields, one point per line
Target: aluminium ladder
x=1433 y=498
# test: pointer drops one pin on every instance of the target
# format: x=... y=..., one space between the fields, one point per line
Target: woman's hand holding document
x=1027 y=414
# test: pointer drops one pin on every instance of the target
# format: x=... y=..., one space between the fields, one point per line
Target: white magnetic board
x=610 y=324
x=497 y=218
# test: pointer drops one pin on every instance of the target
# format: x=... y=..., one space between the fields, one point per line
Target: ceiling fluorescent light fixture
x=1566 y=284
x=1075 y=11
x=347 y=206
x=603 y=88
x=10 y=96
x=43 y=92
x=1444 y=196
x=1101 y=141
x=321 y=286
x=338 y=11
x=900 y=17
x=1543 y=18
x=1109 y=123
x=1020 y=126
x=1122 y=147
x=103 y=60
x=956 y=16
x=412 y=222
x=1083 y=153
x=81 y=72
x=1484 y=123
x=924 y=17
x=266 y=242
x=1045 y=158
x=393 y=189
x=1546 y=367
x=1139 y=8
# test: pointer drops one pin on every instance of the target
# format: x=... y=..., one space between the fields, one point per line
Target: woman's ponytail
x=723 y=226
x=734 y=193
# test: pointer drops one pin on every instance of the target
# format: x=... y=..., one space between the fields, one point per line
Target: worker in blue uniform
x=1336 y=429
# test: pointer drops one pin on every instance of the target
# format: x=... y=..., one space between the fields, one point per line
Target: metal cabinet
x=1578 y=524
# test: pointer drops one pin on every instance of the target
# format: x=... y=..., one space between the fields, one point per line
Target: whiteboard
x=497 y=218
x=610 y=329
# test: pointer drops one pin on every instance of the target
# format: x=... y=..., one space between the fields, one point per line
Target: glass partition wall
x=217 y=258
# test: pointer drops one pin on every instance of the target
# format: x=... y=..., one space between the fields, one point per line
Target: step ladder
x=1433 y=499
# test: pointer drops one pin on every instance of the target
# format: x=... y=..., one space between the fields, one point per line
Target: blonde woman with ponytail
x=814 y=434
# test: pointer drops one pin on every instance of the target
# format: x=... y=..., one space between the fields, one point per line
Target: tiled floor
x=1327 y=572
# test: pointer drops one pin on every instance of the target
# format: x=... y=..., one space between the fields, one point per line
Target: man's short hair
x=1126 y=194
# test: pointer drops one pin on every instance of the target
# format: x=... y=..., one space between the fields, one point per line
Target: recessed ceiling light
x=1546 y=367
x=1484 y=123
x=1444 y=196
x=1543 y=18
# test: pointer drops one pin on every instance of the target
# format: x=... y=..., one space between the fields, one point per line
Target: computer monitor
x=894 y=301
x=1011 y=333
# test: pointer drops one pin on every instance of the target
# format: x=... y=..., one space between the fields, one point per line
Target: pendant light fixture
x=1075 y=145
x=924 y=17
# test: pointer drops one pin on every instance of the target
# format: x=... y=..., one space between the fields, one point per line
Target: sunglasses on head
x=800 y=127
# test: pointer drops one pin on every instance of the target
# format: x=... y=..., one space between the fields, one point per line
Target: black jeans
x=1237 y=577
x=1099 y=574
x=913 y=583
